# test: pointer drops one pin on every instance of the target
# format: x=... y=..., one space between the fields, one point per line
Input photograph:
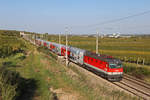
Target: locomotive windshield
x=115 y=65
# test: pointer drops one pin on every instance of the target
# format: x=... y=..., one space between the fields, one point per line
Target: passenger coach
x=106 y=66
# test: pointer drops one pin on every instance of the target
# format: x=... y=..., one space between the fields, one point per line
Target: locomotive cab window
x=115 y=65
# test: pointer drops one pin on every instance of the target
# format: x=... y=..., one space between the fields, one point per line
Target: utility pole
x=60 y=42
x=30 y=37
x=40 y=36
x=59 y=38
x=66 y=46
x=34 y=38
x=43 y=36
x=97 y=42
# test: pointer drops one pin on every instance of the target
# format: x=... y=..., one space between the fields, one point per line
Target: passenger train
x=106 y=66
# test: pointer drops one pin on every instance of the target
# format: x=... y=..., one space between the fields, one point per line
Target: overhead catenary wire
x=120 y=19
x=113 y=20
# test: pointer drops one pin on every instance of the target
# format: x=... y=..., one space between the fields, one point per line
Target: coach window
x=96 y=61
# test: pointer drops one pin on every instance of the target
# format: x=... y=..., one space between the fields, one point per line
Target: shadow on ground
x=25 y=89
x=10 y=64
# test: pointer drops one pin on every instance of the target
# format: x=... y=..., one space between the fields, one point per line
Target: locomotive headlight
x=106 y=65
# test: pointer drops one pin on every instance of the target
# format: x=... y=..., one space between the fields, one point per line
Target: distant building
x=21 y=34
x=115 y=35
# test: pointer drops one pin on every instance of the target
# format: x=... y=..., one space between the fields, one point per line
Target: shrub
x=137 y=71
x=8 y=84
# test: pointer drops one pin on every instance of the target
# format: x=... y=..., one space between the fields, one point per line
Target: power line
x=118 y=19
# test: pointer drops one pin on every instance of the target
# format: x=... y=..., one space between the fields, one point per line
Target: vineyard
x=10 y=43
x=133 y=50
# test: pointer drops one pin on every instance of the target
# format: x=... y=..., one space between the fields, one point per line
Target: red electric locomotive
x=107 y=66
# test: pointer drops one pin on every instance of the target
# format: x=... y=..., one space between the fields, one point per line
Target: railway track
x=135 y=86
x=137 y=81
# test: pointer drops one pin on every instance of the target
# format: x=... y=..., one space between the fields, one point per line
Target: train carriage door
x=68 y=52
x=80 y=57
x=49 y=46
x=76 y=52
x=73 y=55
x=59 y=49
x=63 y=51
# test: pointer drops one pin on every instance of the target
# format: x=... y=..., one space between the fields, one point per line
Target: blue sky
x=53 y=16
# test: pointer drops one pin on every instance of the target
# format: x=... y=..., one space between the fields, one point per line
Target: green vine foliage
x=10 y=43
